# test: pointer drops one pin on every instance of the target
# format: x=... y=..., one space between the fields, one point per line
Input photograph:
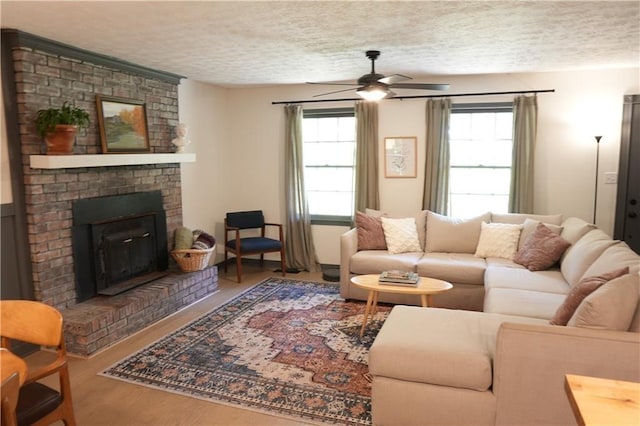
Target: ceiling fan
x=374 y=87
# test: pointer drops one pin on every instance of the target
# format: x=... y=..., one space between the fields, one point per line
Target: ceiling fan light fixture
x=374 y=92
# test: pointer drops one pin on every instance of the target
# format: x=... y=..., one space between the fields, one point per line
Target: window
x=480 y=143
x=329 y=156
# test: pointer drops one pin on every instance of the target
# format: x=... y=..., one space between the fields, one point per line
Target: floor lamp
x=595 y=196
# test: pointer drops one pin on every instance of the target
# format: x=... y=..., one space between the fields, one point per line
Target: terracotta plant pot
x=60 y=142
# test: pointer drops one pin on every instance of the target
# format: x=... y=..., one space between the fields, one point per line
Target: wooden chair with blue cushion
x=239 y=224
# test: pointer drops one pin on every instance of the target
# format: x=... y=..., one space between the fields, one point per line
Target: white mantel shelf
x=105 y=160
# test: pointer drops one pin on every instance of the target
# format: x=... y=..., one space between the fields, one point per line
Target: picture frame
x=400 y=159
x=123 y=125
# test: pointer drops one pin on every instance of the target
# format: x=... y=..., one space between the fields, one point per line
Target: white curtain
x=436 y=173
x=299 y=249
x=525 y=119
x=366 y=186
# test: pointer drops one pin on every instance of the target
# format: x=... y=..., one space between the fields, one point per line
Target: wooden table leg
x=426 y=300
x=370 y=303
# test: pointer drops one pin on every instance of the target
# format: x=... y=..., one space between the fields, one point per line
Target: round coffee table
x=425 y=288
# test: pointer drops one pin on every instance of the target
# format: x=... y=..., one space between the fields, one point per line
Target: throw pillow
x=529 y=227
x=453 y=235
x=541 y=250
x=400 y=235
x=576 y=295
x=420 y=217
x=183 y=238
x=498 y=240
x=610 y=307
x=370 y=232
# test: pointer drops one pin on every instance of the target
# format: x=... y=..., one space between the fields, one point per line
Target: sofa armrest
x=531 y=361
x=348 y=247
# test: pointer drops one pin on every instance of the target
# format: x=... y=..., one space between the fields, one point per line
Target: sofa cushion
x=461 y=268
x=406 y=350
x=574 y=228
x=576 y=295
x=583 y=253
x=519 y=218
x=610 y=307
x=501 y=262
x=549 y=281
x=453 y=235
x=542 y=249
x=376 y=261
x=526 y=303
x=420 y=217
x=401 y=235
x=370 y=232
x=529 y=227
x=616 y=256
x=498 y=240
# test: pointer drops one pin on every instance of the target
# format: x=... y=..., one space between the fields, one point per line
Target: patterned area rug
x=285 y=347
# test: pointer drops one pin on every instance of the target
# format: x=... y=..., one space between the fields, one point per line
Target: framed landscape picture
x=400 y=157
x=123 y=125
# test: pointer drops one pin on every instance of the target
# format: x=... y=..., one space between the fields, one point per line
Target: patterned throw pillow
x=498 y=240
x=576 y=295
x=541 y=250
x=370 y=232
x=529 y=227
x=401 y=235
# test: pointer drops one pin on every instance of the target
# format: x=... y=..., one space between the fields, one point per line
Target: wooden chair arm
x=44 y=371
x=279 y=225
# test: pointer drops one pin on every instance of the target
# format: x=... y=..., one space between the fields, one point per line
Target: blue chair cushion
x=255 y=244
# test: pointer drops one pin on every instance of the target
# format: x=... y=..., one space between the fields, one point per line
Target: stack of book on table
x=399 y=278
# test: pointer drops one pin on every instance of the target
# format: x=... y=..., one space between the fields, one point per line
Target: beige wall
x=6 y=195
x=238 y=137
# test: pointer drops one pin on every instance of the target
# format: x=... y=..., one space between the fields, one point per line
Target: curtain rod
x=451 y=95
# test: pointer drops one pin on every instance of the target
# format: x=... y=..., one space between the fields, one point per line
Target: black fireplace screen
x=126 y=249
x=119 y=242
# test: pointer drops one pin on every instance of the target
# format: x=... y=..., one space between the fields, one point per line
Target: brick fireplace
x=48 y=74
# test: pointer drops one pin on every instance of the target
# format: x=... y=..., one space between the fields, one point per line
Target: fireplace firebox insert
x=119 y=242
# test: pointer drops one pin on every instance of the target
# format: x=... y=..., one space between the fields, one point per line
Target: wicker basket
x=192 y=260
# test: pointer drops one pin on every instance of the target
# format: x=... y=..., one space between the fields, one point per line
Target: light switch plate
x=610 y=177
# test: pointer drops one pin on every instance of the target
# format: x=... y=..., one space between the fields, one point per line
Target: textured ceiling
x=244 y=43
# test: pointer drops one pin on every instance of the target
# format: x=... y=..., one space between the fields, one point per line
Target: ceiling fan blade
x=421 y=86
x=394 y=78
x=333 y=84
x=331 y=93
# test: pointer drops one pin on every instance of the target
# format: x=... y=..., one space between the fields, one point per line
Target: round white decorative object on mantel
x=181 y=141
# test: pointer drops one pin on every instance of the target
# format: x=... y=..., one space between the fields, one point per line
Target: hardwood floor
x=99 y=400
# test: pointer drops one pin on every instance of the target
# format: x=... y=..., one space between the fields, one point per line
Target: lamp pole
x=595 y=192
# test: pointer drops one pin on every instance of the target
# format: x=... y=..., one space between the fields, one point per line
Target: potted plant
x=58 y=127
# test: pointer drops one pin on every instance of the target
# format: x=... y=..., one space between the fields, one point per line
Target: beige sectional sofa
x=495 y=359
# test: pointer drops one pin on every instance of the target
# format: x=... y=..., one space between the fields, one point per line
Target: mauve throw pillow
x=541 y=250
x=370 y=232
x=576 y=295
